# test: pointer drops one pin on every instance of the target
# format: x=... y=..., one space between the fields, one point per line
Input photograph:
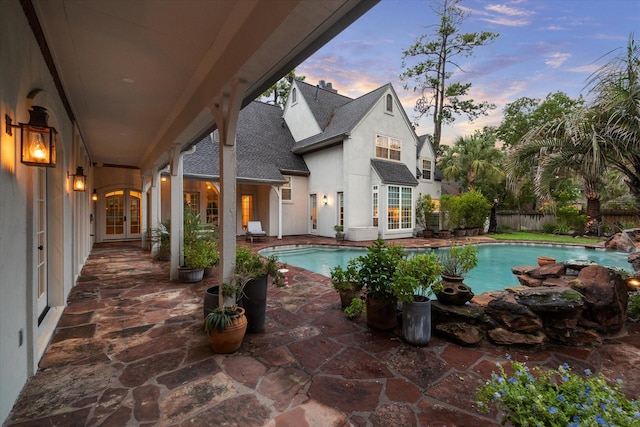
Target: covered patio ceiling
x=139 y=77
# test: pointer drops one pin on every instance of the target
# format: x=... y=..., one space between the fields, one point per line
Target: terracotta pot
x=454 y=293
x=231 y=338
x=544 y=260
x=382 y=314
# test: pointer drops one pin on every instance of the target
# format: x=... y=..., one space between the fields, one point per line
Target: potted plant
x=226 y=327
x=251 y=275
x=375 y=270
x=339 y=229
x=200 y=249
x=414 y=281
x=161 y=236
x=346 y=282
x=355 y=308
x=452 y=207
x=425 y=206
x=456 y=262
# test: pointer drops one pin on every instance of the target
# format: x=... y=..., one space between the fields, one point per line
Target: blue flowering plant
x=556 y=397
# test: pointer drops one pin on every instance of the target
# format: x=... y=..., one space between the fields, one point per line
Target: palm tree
x=472 y=158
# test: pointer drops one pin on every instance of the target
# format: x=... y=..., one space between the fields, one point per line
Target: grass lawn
x=541 y=237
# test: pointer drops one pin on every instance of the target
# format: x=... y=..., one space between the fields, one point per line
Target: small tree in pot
x=456 y=262
x=346 y=282
x=425 y=206
x=375 y=270
x=414 y=281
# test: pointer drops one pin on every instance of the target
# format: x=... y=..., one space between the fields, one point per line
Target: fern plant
x=220 y=317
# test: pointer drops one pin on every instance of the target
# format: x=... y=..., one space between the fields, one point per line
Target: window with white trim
x=388 y=148
x=192 y=201
x=399 y=207
x=427 y=168
x=389 y=106
x=286 y=189
x=374 y=198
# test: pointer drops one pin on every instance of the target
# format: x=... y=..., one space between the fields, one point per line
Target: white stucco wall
x=327 y=174
x=299 y=119
x=295 y=219
x=23 y=70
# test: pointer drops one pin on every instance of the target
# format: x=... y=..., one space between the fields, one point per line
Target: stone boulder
x=549 y=270
x=606 y=299
x=634 y=260
x=513 y=316
x=502 y=336
x=528 y=281
x=460 y=332
x=622 y=242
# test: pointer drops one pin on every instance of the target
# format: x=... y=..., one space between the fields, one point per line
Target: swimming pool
x=495 y=260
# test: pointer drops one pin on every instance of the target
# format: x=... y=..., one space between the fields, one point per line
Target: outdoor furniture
x=254 y=231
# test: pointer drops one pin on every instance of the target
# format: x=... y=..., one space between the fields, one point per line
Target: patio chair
x=255 y=231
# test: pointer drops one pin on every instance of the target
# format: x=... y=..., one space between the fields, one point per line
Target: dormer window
x=389 y=106
x=388 y=148
x=427 y=167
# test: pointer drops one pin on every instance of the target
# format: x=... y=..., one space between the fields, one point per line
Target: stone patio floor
x=130 y=350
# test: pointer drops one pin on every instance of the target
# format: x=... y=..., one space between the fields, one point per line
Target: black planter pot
x=254 y=301
x=211 y=296
x=382 y=314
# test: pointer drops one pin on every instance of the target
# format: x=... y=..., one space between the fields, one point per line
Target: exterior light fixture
x=163 y=178
x=94 y=195
x=79 y=179
x=37 y=138
x=325 y=200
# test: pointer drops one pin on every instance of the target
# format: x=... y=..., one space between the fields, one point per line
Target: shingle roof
x=342 y=121
x=263 y=149
x=322 y=102
x=394 y=173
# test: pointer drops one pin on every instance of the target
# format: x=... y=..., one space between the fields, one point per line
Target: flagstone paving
x=130 y=350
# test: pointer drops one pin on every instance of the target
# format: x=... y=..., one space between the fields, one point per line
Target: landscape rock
x=549 y=270
x=606 y=299
x=461 y=333
x=513 y=316
x=621 y=242
x=502 y=336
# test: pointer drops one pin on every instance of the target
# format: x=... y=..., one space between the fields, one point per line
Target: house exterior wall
x=327 y=178
x=22 y=340
x=299 y=118
x=294 y=212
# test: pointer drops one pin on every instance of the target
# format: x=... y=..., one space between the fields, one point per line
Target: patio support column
x=144 y=223
x=154 y=206
x=177 y=221
x=278 y=191
x=225 y=110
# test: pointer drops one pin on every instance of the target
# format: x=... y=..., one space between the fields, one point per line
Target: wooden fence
x=534 y=221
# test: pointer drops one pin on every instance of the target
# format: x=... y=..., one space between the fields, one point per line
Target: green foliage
x=428 y=63
x=549 y=227
x=338 y=228
x=425 y=206
x=417 y=278
x=458 y=260
x=250 y=266
x=539 y=237
x=634 y=306
x=570 y=216
x=355 y=309
x=220 y=317
x=280 y=89
x=201 y=253
x=475 y=209
x=450 y=205
x=346 y=279
x=161 y=235
x=557 y=397
x=377 y=267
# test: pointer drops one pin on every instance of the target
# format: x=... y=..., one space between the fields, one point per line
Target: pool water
x=494 y=260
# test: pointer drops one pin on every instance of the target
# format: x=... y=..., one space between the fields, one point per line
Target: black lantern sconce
x=79 y=179
x=94 y=195
x=37 y=138
x=325 y=200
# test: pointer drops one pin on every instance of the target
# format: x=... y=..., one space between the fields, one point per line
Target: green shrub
x=549 y=228
x=556 y=397
x=634 y=306
x=570 y=216
x=355 y=309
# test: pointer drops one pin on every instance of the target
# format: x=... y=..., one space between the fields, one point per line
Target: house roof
x=437 y=175
x=340 y=121
x=322 y=102
x=263 y=149
x=393 y=172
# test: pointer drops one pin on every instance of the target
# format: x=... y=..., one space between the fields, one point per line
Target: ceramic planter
x=231 y=338
x=416 y=322
x=382 y=314
x=254 y=300
x=454 y=293
x=190 y=275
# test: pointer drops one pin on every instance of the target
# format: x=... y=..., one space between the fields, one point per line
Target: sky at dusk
x=544 y=46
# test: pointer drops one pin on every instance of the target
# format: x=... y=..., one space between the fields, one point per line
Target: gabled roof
x=393 y=172
x=263 y=149
x=322 y=102
x=342 y=121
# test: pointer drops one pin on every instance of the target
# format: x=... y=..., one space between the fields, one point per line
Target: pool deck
x=130 y=350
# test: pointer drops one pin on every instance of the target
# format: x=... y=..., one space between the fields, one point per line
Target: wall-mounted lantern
x=325 y=200
x=94 y=195
x=79 y=179
x=37 y=138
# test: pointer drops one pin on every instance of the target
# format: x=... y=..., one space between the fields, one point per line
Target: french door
x=313 y=209
x=40 y=212
x=122 y=215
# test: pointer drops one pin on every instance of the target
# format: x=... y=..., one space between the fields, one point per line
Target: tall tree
x=473 y=159
x=617 y=105
x=436 y=56
x=280 y=90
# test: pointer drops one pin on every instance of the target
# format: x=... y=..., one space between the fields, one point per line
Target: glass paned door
x=122 y=215
x=41 y=242
x=313 y=208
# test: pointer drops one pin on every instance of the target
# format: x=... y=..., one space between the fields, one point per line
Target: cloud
x=555 y=60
